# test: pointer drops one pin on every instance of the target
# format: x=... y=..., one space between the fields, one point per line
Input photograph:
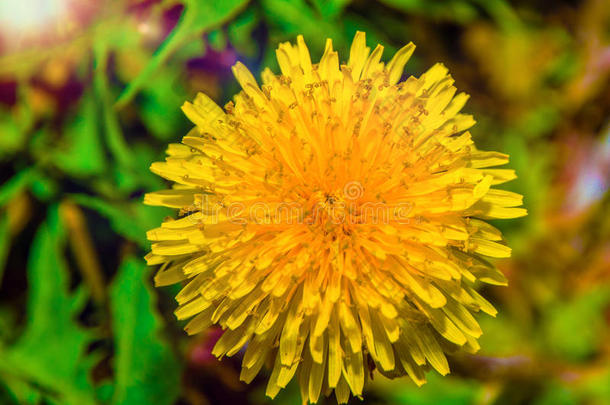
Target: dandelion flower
x=331 y=221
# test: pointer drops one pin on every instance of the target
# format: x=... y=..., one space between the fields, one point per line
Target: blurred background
x=90 y=95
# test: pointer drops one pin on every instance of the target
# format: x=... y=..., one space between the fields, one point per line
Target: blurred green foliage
x=88 y=103
x=146 y=369
x=51 y=352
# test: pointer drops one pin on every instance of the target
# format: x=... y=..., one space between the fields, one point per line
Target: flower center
x=330 y=212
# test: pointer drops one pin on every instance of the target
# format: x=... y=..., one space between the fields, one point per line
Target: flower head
x=332 y=220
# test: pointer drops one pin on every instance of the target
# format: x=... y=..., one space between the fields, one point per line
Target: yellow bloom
x=332 y=220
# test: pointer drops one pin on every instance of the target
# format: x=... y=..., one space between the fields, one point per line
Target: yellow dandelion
x=331 y=221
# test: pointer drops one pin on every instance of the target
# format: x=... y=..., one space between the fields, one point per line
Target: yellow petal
x=204 y=113
x=335 y=353
x=317 y=377
x=432 y=350
x=397 y=63
x=383 y=347
x=304 y=57
x=445 y=326
x=290 y=334
x=354 y=371
x=342 y=391
x=358 y=55
x=169 y=275
x=201 y=322
x=462 y=318
x=350 y=329
x=191 y=308
x=489 y=248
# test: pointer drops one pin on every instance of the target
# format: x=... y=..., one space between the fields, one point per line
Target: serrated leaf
x=51 y=350
x=147 y=372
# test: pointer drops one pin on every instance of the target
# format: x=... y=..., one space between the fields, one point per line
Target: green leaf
x=502 y=336
x=147 y=371
x=130 y=219
x=451 y=10
x=160 y=106
x=5 y=243
x=502 y=12
x=556 y=394
x=374 y=35
x=437 y=391
x=240 y=32
x=217 y=39
x=44 y=188
x=51 y=351
x=20 y=391
x=538 y=121
x=139 y=176
x=331 y=8
x=111 y=125
x=584 y=314
x=597 y=386
x=533 y=164
x=13 y=137
x=84 y=155
x=198 y=17
x=297 y=17
x=16 y=184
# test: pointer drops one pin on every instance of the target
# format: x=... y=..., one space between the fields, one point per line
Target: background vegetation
x=90 y=94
